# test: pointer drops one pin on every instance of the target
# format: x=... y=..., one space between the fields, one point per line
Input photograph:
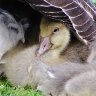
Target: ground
x=6 y=89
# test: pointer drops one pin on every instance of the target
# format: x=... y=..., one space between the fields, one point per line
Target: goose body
x=82 y=85
x=15 y=59
x=23 y=69
x=11 y=32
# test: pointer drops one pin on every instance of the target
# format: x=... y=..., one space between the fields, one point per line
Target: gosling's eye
x=56 y=29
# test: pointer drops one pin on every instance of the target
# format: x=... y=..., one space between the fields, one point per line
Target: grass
x=94 y=1
x=6 y=89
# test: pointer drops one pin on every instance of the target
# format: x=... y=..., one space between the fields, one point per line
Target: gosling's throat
x=55 y=53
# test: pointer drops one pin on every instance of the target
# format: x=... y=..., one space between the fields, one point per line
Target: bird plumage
x=11 y=32
x=23 y=67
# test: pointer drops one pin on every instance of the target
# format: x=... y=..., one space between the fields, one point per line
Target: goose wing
x=78 y=15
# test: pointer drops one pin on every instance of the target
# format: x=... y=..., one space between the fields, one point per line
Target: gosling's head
x=53 y=35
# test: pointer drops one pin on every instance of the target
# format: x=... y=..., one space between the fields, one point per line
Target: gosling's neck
x=56 y=53
x=53 y=57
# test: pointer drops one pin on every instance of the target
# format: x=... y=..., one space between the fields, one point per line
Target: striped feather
x=88 y=6
x=51 y=11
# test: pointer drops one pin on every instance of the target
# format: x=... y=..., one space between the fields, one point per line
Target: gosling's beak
x=45 y=44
